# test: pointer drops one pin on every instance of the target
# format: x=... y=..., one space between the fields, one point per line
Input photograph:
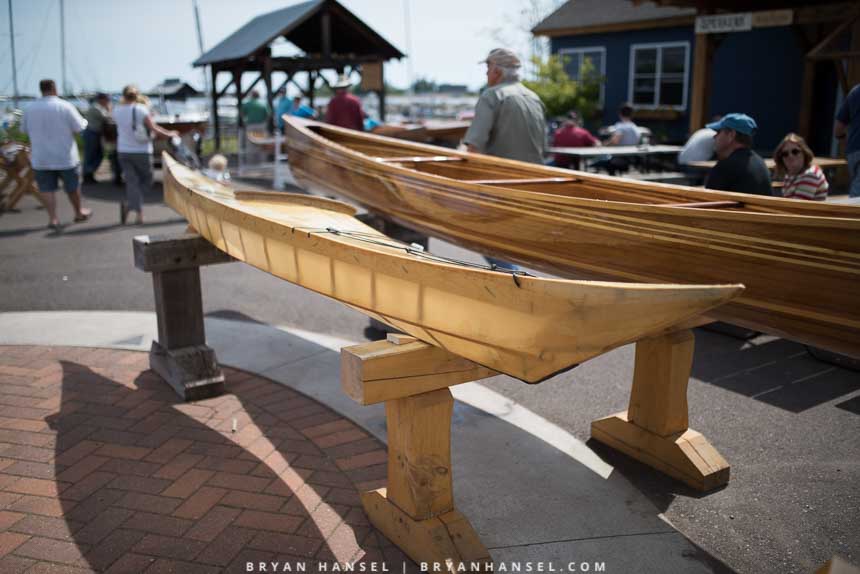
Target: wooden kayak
x=525 y=326
x=799 y=261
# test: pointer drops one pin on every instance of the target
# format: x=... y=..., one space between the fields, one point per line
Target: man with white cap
x=739 y=168
x=344 y=109
x=509 y=118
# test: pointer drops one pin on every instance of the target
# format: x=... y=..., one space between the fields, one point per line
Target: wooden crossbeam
x=704 y=204
x=402 y=366
x=420 y=159
x=524 y=181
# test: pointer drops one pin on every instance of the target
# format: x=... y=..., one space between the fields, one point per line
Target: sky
x=111 y=43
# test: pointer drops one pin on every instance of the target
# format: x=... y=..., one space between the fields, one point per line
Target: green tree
x=423 y=86
x=559 y=93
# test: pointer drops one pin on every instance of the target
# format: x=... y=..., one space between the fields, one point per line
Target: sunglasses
x=794 y=151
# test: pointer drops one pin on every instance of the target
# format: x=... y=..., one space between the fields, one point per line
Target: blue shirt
x=849 y=114
x=284 y=106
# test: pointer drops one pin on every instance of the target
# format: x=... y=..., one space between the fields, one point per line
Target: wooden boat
x=799 y=261
x=411 y=132
x=449 y=133
x=265 y=142
x=525 y=326
x=184 y=123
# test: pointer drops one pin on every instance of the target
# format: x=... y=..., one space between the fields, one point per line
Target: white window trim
x=586 y=49
x=658 y=74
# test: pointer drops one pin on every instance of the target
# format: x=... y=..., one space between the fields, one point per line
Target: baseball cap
x=739 y=122
x=502 y=57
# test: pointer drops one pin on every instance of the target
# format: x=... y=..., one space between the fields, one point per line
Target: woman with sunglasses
x=802 y=178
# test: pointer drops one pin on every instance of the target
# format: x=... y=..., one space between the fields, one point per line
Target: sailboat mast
x=63 y=46
x=200 y=42
x=14 y=64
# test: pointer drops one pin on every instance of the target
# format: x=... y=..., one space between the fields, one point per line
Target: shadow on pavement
x=778 y=372
x=91 y=229
x=144 y=477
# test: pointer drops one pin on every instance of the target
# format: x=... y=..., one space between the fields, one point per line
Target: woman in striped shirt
x=802 y=179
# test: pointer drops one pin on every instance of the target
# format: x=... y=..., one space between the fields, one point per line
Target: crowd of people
x=509 y=122
x=52 y=123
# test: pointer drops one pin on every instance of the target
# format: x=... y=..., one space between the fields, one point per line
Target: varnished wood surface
x=524 y=326
x=800 y=261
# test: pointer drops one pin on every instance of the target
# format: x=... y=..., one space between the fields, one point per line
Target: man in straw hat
x=344 y=109
x=509 y=117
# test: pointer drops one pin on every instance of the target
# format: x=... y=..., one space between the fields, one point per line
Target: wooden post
x=270 y=96
x=700 y=94
x=655 y=428
x=853 y=71
x=181 y=355
x=312 y=82
x=416 y=511
x=237 y=80
x=216 y=124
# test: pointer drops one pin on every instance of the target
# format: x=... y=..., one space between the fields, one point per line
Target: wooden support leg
x=181 y=356
x=416 y=511
x=654 y=429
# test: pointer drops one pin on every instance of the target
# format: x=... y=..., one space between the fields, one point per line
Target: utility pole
x=14 y=64
x=63 y=46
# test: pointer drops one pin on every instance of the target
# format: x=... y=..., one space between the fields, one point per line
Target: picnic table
x=825 y=163
x=643 y=151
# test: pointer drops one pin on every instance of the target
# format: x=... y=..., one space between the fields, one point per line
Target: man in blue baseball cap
x=739 y=168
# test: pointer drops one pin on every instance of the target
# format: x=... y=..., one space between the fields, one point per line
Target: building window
x=658 y=75
x=577 y=61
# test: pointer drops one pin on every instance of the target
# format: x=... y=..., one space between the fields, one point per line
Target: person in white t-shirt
x=700 y=147
x=51 y=124
x=135 y=128
x=624 y=132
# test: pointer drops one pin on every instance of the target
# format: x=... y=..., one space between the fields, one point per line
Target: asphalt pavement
x=787 y=423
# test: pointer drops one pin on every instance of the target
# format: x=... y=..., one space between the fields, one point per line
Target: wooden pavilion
x=330 y=37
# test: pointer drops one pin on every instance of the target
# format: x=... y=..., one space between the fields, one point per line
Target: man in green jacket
x=509 y=118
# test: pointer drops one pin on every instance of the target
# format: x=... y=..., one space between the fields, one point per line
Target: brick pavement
x=103 y=469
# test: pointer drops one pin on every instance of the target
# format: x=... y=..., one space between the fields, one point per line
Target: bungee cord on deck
x=372 y=239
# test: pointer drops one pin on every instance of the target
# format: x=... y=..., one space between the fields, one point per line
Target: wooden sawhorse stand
x=655 y=427
x=416 y=511
x=20 y=180
x=181 y=356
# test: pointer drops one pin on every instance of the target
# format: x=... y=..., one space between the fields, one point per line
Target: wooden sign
x=743 y=22
x=371 y=76
x=772 y=18
x=721 y=23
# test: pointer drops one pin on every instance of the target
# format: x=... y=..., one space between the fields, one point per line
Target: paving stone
x=127 y=478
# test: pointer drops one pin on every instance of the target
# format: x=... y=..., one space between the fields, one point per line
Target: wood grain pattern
x=800 y=261
x=527 y=327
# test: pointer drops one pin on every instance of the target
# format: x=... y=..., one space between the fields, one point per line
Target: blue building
x=679 y=67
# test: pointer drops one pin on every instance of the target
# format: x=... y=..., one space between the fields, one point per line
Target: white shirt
x=628 y=131
x=700 y=147
x=125 y=140
x=51 y=124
